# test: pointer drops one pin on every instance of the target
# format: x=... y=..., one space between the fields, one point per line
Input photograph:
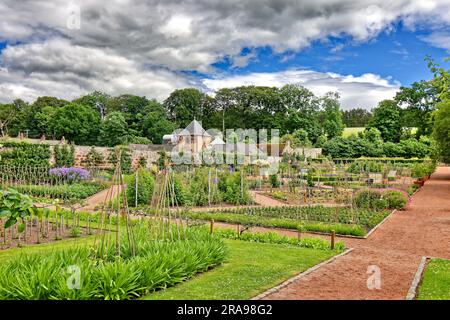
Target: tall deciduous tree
x=418 y=102
x=113 y=130
x=184 y=105
x=332 y=124
x=386 y=118
x=77 y=123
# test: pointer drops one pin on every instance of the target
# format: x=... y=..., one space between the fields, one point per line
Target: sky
x=363 y=49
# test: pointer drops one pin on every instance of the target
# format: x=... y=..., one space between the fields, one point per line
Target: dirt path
x=396 y=248
x=95 y=201
x=266 y=201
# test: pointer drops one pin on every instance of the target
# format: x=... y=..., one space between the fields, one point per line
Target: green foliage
x=386 y=118
x=354 y=118
x=113 y=130
x=272 y=237
x=274 y=181
x=441 y=130
x=140 y=140
x=356 y=147
x=333 y=125
x=396 y=199
x=234 y=188
x=24 y=154
x=14 y=207
x=157 y=265
x=145 y=186
x=300 y=138
x=77 y=123
x=370 y=199
x=418 y=102
x=64 y=155
x=75 y=191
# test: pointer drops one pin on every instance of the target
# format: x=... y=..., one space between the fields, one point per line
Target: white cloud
x=356 y=91
x=60 y=69
x=438 y=39
x=142 y=45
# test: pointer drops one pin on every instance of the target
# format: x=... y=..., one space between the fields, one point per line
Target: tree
x=155 y=125
x=97 y=100
x=386 y=118
x=355 y=118
x=332 y=124
x=302 y=111
x=77 y=123
x=184 y=105
x=418 y=102
x=44 y=121
x=8 y=113
x=113 y=130
x=301 y=138
x=441 y=130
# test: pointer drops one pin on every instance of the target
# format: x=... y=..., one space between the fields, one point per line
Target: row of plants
x=273 y=237
x=272 y=222
x=154 y=265
x=74 y=191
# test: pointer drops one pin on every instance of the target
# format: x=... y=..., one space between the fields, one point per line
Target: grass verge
x=436 y=281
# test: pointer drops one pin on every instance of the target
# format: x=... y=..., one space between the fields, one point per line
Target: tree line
x=301 y=116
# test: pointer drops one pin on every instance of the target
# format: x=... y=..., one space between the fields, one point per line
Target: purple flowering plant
x=71 y=174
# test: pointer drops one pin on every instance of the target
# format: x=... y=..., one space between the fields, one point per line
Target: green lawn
x=251 y=268
x=436 y=281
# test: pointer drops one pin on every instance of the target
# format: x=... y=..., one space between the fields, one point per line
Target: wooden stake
x=333 y=235
x=299 y=234
x=238 y=229
x=38 y=230
x=211 y=226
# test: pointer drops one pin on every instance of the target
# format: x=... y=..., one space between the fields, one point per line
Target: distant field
x=349 y=131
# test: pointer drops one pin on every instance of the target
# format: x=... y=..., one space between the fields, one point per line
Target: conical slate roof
x=195 y=129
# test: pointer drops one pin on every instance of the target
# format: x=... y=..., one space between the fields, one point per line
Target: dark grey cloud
x=120 y=38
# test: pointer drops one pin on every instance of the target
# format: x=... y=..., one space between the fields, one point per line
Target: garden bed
x=154 y=265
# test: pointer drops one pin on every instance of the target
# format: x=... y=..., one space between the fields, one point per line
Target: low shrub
x=370 y=199
x=396 y=199
x=274 y=181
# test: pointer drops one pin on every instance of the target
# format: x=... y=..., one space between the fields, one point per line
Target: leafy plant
x=140 y=191
x=14 y=207
x=396 y=199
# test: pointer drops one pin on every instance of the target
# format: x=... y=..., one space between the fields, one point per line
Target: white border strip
x=412 y=293
x=299 y=276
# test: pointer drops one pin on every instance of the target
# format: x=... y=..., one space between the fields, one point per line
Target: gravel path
x=395 y=248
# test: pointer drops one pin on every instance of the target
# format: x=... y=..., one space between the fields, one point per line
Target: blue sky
x=398 y=54
x=362 y=49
